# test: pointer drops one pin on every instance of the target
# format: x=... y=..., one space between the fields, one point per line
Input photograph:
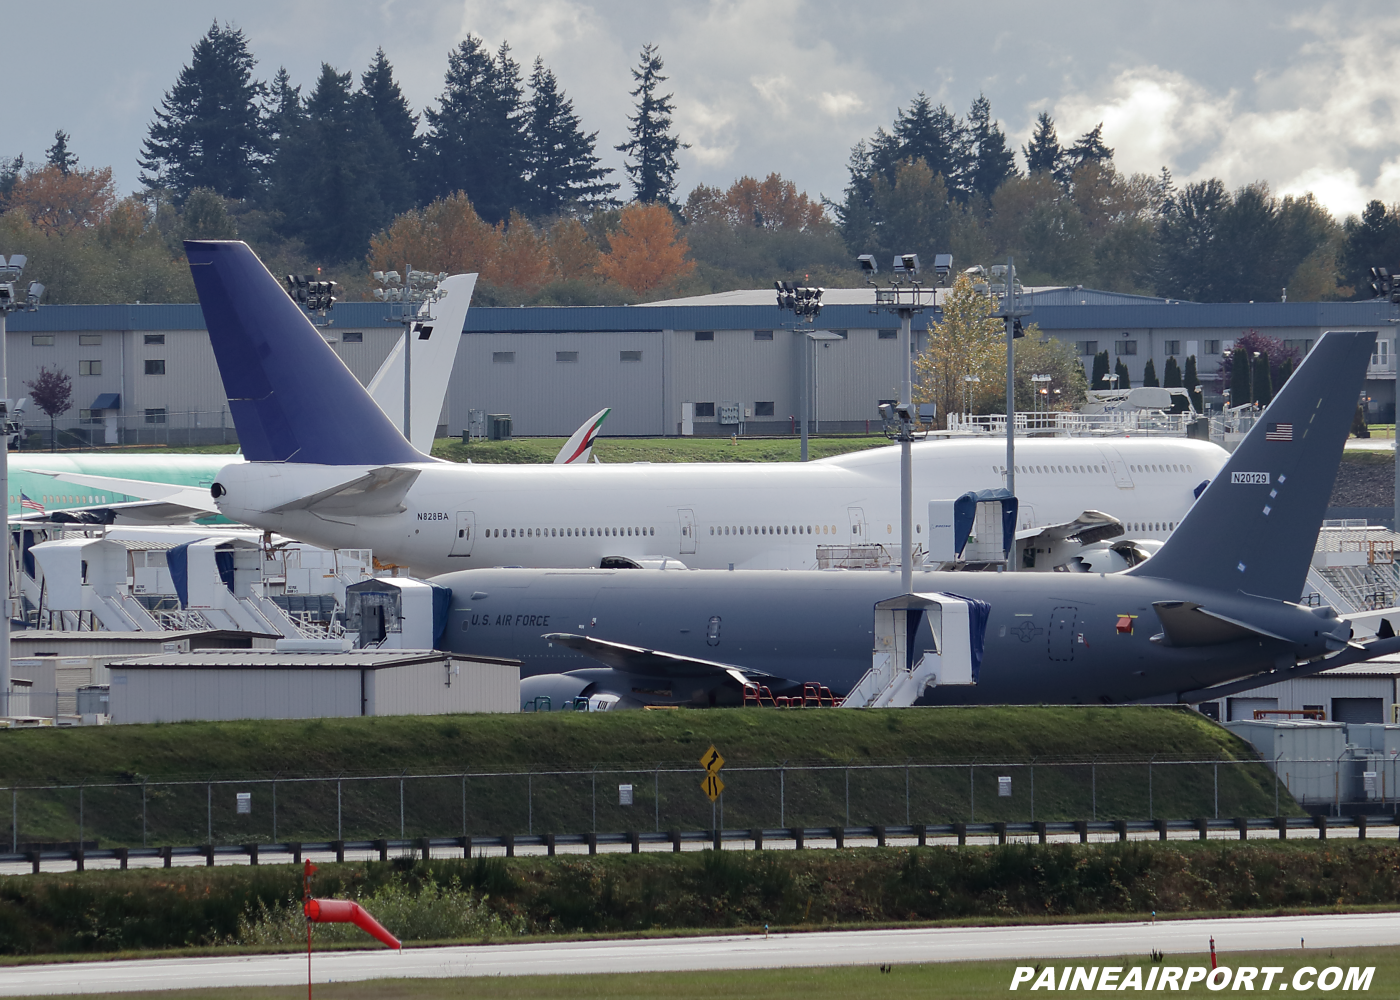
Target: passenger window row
x=1151 y=526
x=773 y=529
x=1086 y=469
x=568 y=532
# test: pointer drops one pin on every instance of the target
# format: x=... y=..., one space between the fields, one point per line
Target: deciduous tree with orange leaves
x=447 y=235
x=771 y=203
x=58 y=202
x=647 y=251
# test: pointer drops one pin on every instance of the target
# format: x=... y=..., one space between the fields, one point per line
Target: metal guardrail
x=798 y=837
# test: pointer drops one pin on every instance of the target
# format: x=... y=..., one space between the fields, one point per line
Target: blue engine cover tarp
x=442 y=604
x=965 y=516
x=977 y=615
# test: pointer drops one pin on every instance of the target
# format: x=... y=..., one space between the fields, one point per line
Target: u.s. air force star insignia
x=1026 y=630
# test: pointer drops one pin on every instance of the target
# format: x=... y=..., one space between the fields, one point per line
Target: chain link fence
x=82 y=429
x=137 y=812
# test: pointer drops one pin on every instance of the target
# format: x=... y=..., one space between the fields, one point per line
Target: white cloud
x=1326 y=122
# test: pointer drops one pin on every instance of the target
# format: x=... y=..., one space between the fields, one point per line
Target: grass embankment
x=527 y=451
x=954 y=980
x=955 y=756
x=499 y=899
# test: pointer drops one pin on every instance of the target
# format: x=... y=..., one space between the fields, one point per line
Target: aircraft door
x=466 y=528
x=687 y=518
x=1062 y=635
x=859 y=529
x=1121 y=478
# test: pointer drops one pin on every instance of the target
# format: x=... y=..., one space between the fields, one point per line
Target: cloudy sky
x=1297 y=94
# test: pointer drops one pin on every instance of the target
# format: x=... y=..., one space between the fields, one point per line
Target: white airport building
x=711 y=365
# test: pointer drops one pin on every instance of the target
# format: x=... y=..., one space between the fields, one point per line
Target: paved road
x=944 y=944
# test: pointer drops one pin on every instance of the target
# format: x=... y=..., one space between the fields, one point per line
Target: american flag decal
x=1279 y=432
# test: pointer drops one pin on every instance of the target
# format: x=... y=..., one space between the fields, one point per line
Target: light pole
x=10 y=301
x=968 y=381
x=805 y=303
x=1011 y=309
x=1041 y=390
x=414 y=297
x=905 y=295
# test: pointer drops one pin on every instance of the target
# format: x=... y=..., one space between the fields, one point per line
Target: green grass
x=525 y=451
x=208 y=911
x=628 y=747
x=952 y=980
x=581 y=740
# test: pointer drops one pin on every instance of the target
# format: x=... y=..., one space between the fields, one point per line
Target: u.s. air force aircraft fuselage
x=1214 y=605
x=1050 y=637
x=749 y=516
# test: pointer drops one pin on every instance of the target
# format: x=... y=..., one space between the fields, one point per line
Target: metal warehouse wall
x=547 y=396
x=462 y=686
x=165 y=695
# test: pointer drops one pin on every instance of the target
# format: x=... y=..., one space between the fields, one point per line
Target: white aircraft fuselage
x=709 y=516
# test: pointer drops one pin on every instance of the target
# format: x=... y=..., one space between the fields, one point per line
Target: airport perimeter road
x=942 y=944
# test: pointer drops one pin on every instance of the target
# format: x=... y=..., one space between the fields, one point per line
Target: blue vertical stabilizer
x=291 y=398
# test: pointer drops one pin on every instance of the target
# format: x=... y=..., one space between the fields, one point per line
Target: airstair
x=921 y=641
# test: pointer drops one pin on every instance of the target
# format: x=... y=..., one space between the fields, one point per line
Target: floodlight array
x=312 y=294
x=803 y=301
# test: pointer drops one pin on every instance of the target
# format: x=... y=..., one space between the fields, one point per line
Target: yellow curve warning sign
x=712 y=761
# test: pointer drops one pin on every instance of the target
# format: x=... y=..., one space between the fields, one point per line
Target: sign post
x=711 y=784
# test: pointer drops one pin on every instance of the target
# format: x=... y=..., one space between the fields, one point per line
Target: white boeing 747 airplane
x=326 y=465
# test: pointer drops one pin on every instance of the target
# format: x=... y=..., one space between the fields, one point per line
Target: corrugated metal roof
x=1103 y=311
x=269 y=659
x=1223 y=315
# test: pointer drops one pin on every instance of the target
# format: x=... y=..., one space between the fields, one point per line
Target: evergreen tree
x=563 y=168
x=1089 y=148
x=398 y=157
x=652 y=148
x=1192 y=383
x=1043 y=154
x=1371 y=241
x=990 y=162
x=325 y=172
x=209 y=132
x=855 y=213
x=475 y=140
x=1099 y=380
x=1124 y=379
x=283 y=108
x=1189 y=257
x=58 y=155
x=1171 y=379
x=10 y=171
x=1239 y=378
x=1171 y=374
x=1262 y=387
x=1285 y=371
x=1149 y=373
x=926 y=133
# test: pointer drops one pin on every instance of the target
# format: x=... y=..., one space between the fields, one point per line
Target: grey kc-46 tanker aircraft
x=1213 y=611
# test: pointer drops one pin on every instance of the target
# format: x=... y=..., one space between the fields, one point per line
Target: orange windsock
x=346 y=911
